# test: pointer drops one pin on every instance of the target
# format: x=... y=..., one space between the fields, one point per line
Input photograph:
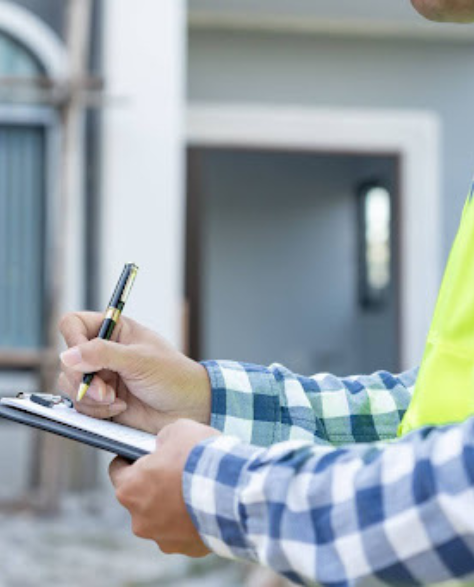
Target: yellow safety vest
x=444 y=390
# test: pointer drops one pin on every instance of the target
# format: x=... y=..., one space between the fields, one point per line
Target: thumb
x=99 y=354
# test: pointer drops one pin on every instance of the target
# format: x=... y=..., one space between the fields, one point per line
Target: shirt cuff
x=245 y=401
x=211 y=481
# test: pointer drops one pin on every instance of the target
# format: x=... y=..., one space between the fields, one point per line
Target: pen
x=112 y=315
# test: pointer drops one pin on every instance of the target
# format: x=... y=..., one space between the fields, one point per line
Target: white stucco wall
x=320 y=71
x=143 y=204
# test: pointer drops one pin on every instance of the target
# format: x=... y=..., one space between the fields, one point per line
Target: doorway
x=275 y=257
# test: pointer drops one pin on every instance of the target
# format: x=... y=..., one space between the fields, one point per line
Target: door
x=274 y=271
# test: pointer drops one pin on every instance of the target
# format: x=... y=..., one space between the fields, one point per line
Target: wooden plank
x=49 y=477
x=11 y=359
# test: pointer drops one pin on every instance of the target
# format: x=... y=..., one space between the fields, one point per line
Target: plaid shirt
x=284 y=489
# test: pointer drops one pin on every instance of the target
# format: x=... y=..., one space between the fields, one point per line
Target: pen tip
x=82 y=391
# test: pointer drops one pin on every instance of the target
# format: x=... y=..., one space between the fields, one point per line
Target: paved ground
x=93 y=547
x=90 y=545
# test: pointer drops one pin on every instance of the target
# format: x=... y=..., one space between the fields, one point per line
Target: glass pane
x=376 y=217
x=377 y=237
x=16 y=60
x=22 y=201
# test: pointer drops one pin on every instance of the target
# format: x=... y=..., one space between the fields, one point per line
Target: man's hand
x=151 y=490
x=142 y=381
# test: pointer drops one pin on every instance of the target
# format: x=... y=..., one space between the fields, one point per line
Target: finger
x=101 y=379
x=176 y=429
x=99 y=354
x=79 y=327
x=172 y=546
x=167 y=434
x=90 y=407
x=99 y=391
x=118 y=471
x=101 y=411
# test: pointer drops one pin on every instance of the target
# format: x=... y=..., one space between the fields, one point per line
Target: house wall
x=143 y=208
x=265 y=67
x=258 y=11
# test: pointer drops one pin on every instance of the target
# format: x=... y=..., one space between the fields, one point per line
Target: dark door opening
x=274 y=253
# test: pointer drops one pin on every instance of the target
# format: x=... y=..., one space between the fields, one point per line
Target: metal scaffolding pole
x=52 y=458
x=52 y=464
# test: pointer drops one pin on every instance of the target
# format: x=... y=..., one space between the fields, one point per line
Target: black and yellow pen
x=112 y=315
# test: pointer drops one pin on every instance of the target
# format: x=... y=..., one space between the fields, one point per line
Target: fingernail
x=109 y=396
x=71 y=357
x=95 y=392
x=101 y=394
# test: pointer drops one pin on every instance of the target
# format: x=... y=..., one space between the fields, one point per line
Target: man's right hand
x=141 y=381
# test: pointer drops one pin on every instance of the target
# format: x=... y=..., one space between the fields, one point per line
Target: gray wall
x=303 y=69
x=400 y=11
x=279 y=264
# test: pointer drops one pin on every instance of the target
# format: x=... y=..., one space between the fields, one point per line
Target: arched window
x=28 y=164
x=17 y=60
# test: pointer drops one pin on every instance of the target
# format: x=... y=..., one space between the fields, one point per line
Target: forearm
x=265 y=405
x=396 y=512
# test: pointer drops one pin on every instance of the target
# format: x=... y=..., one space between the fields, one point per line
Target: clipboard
x=61 y=419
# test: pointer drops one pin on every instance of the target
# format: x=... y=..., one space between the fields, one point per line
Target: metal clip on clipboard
x=48 y=400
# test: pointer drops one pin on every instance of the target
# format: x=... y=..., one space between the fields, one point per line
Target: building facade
x=257 y=245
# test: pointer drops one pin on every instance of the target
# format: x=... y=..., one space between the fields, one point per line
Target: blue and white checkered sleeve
x=265 y=405
x=397 y=513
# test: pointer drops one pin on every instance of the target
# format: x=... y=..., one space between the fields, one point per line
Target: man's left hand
x=151 y=489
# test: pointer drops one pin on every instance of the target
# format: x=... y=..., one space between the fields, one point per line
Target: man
x=282 y=486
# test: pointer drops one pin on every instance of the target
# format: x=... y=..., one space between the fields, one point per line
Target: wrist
x=199 y=392
x=205 y=495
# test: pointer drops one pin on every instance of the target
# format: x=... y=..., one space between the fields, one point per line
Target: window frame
x=48 y=119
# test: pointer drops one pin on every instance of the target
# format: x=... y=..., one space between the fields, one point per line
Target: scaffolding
x=70 y=98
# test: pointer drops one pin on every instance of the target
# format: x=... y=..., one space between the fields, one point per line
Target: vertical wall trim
x=143 y=216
